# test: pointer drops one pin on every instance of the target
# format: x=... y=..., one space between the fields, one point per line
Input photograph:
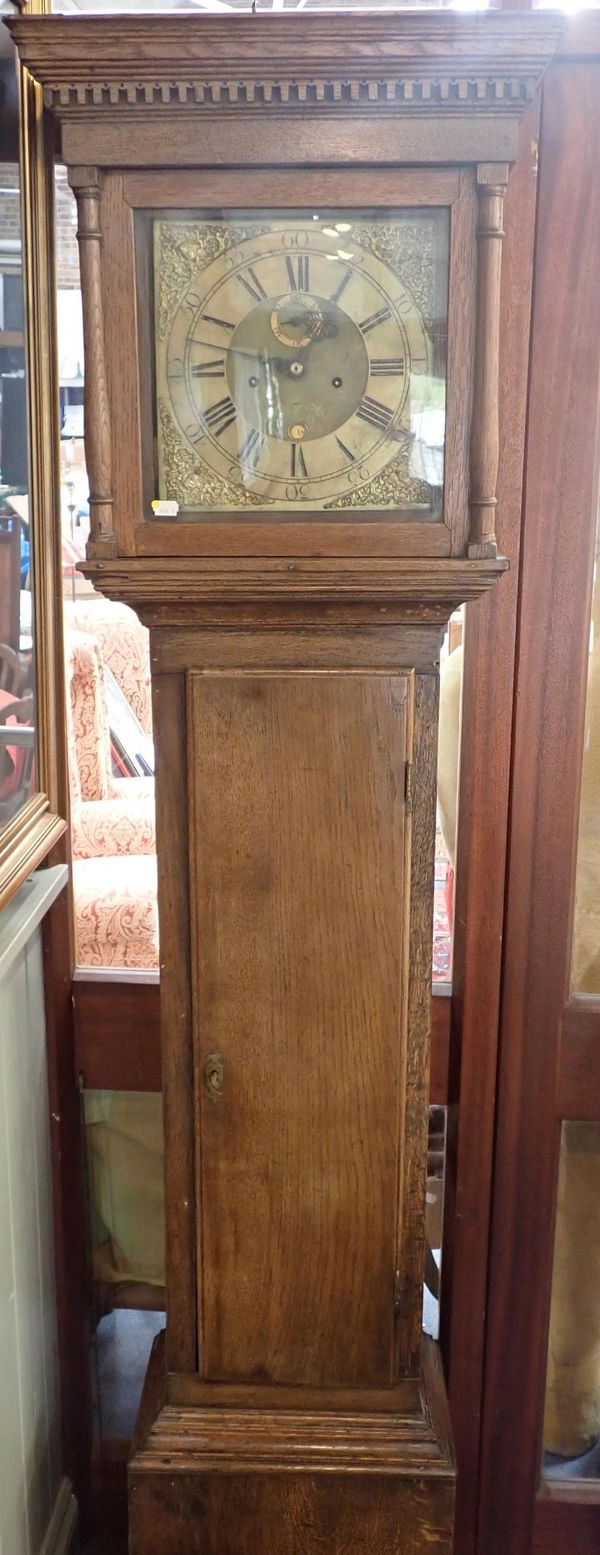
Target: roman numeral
x=214 y=369
x=297 y=462
x=220 y=416
x=220 y=323
x=389 y=367
x=191 y=302
x=375 y=414
x=251 y=451
x=345 y=451
x=335 y=296
x=250 y=281
x=297 y=270
x=194 y=432
x=375 y=319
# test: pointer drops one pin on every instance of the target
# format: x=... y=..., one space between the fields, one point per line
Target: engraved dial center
x=278 y=382
x=297 y=319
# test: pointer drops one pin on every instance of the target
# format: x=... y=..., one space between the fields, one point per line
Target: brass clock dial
x=295 y=362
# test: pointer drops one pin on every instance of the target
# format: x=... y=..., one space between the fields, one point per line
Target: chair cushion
x=116 y=914
x=113 y=827
x=124 y=642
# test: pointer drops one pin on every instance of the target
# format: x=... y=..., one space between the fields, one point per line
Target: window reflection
x=447 y=800
x=17 y=731
x=572 y=1417
x=201 y=7
x=434 y=1219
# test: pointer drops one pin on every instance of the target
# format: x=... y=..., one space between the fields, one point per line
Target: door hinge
x=408 y=786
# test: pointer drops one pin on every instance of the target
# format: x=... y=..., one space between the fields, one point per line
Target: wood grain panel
x=174 y=138
x=567 y=1520
x=169 y=715
x=117 y=1035
x=318 y=646
x=483 y=819
x=224 y=1479
x=230 y=188
x=558 y=536
x=117 y=1038
x=348 y=1513
x=297 y=835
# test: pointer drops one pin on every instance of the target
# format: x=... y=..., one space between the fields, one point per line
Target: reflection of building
x=13 y=443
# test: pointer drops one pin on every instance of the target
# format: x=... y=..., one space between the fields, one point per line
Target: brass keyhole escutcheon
x=214 y=1075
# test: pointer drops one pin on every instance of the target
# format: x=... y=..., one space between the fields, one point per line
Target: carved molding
x=179 y=587
x=335 y=63
x=237 y=1441
x=418 y=91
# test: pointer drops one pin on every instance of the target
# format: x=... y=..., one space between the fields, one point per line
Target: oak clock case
x=292 y=436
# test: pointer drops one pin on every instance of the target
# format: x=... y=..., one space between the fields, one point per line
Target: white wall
x=34 y=1502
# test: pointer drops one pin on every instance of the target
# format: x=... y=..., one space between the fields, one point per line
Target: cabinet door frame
x=486 y=733
x=549 y=1065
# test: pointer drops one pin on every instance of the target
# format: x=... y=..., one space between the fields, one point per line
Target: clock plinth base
x=224 y=1480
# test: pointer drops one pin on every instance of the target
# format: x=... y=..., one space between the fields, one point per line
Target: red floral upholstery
x=116 y=915
x=113 y=827
x=112 y=819
x=124 y=643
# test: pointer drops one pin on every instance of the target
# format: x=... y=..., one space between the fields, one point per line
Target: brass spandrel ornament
x=393 y=488
x=190 y=482
x=184 y=248
x=409 y=250
x=300 y=363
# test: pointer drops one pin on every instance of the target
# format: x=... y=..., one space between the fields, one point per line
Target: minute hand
x=254 y=356
x=209 y=345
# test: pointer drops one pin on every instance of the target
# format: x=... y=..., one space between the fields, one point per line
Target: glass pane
x=109 y=710
x=447 y=800
x=572 y=1417
x=434 y=1218
x=124 y=1155
x=585 y=964
x=104 y=7
x=124 y=1137
x=300 y=362
x=566 y=5
x=17 y=690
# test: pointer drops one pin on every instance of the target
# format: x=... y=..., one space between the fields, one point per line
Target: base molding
x=218 y=1480
x=61 y=1534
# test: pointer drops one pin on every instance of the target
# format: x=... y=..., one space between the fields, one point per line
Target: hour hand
x=296 y=321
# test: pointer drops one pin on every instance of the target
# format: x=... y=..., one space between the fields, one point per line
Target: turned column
x=485 y=436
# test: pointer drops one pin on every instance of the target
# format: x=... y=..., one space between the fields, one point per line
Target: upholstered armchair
x=113 y=835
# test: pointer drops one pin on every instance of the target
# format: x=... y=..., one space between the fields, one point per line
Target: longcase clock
x=291 y=234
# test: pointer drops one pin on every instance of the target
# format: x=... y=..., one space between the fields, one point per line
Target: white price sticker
x=165 y=509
